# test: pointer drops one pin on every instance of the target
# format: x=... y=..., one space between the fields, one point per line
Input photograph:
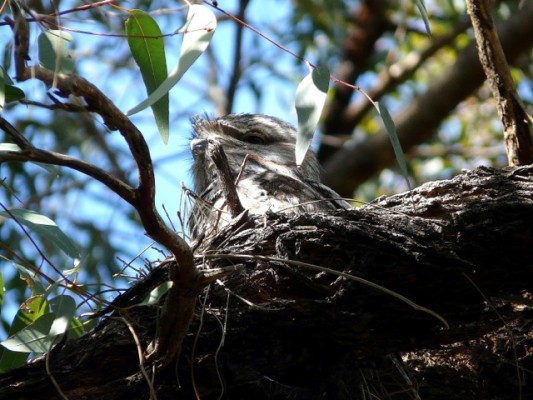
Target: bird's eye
x=254 y=139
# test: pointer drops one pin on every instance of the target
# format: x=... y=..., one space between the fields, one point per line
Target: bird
x=261 y=159
x=260 y=153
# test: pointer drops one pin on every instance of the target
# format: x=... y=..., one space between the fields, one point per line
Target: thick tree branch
x=298 y=333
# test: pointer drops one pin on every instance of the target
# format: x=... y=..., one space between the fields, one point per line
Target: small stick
x=216 y=152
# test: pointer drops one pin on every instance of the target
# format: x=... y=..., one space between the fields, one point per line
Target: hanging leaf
x=391 y=131
x=148 y=50
x=64 y=309
x=53 y=51
x=197 y=33
x=310 y=98
x=45 y=227
x=424 y=13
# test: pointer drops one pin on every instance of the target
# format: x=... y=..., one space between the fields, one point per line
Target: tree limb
x=32 y=154
x=292 y=333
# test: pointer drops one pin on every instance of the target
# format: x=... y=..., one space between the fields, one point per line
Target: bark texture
x=462 y=248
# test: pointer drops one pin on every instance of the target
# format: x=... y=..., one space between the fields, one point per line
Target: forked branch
x=180 y=302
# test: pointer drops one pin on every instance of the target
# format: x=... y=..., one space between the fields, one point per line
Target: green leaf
x=38 y=336
x=64 y=309
x=424 y=13
x=198 y=31
x=391 y=131
x=29 y=312
x=45 y=227
x=148 y=50
x=13 y=93
x=34 y=338
x=8 y=92
x=53 y=52
x=310 y=98
x=7 y=55
x=155 y=295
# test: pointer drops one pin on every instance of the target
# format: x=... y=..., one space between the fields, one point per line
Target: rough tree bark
x=462 y=248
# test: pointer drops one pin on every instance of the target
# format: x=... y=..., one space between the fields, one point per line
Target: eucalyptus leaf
x=14 y=147
x=76 y=329
x=8 y=92
x=148 y=50
x=3 y=84
x=197 y=33
x=29 y=312
x=310 y=99
x=31 y=278
x=64 y=309
x=53 y=51
x=9 y=147
x=13 y=93
x=155 y=295
x=393 y=136
x=2 y=291
x=45 y=227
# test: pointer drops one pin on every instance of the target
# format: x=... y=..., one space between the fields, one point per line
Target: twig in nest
x=216 y=152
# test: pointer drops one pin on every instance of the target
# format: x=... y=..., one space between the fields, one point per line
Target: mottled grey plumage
x=269 y=179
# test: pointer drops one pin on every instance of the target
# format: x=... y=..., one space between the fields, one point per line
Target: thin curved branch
x=32 y=154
